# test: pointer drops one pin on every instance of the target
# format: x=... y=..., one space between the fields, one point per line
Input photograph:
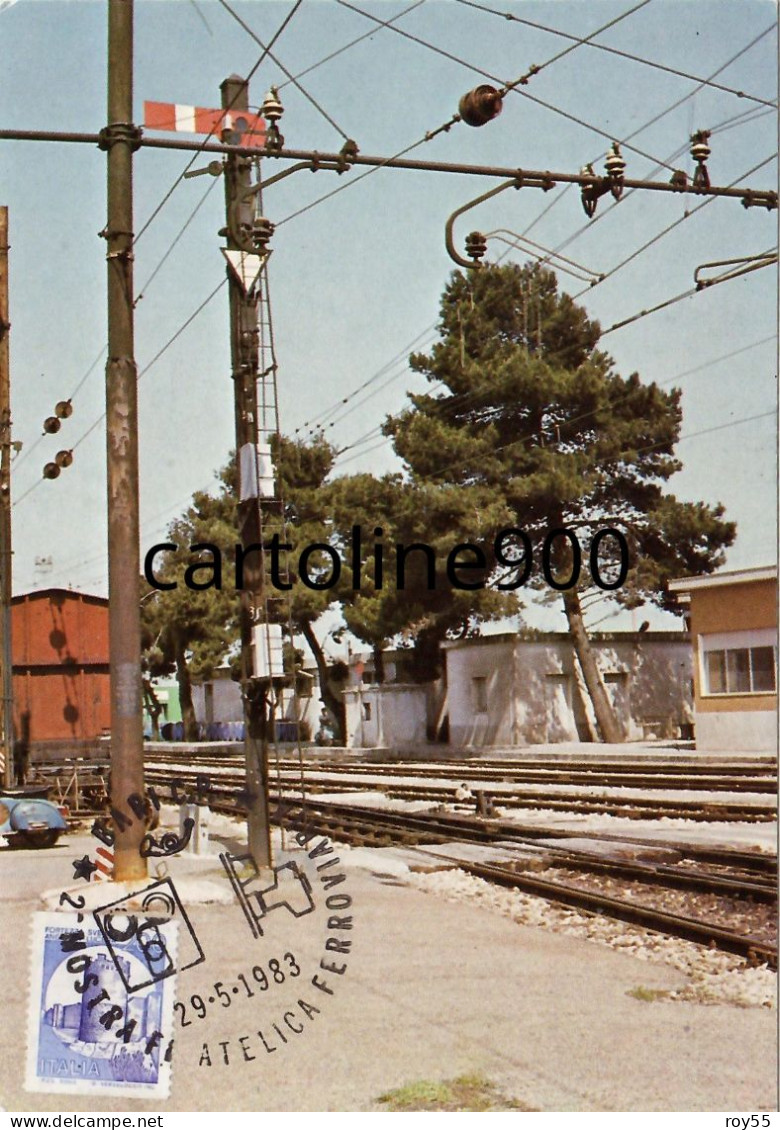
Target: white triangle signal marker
x=246 y=266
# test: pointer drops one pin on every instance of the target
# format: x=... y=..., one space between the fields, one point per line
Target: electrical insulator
x=589 y=193
x=616 y=167
x=480 y=105
x=51 y=471
x=51 y=425
x=272 y=110
x=63 y=409
x=700 y=151
x=262 y=230
x=476 y=246
x=63 y=458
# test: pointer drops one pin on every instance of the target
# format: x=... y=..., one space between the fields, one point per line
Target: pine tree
x=529 y=410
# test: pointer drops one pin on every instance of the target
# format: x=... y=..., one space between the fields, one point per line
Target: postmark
x=120 y=926
x=86 y=1031
x=298 y=920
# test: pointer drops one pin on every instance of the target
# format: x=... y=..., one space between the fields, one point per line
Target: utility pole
x=244 y=337
x=6 y=682
x=120 y=138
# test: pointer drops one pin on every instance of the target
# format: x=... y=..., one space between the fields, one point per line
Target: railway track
x=378 y=827
x=741 y=877
x=754 y=778
x=505 y=796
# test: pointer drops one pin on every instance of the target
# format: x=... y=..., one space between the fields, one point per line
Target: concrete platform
x=432 y=989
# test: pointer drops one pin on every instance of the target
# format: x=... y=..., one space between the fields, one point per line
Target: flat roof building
x=733 y=625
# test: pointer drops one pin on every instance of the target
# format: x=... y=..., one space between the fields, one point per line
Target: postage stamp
x=87 y=1032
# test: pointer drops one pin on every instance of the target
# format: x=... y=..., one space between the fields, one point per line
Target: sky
x=355 y=280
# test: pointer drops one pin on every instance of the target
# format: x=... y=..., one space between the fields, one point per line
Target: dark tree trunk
x=185 y=695
x=334 y=702
x=155 y=708
x=379 y=663
x=608 y=725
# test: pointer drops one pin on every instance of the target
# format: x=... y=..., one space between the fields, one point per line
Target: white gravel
x=713 y=977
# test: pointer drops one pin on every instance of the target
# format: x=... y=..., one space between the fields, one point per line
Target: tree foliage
x=530 y=414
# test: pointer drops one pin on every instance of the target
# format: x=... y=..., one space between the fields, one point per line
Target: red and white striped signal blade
x=196 y=119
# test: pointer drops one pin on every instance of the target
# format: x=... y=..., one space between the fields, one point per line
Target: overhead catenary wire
x=347 y=46
x=615 y=51
x=291 y=78
x=639 y=451
x=509 y=87
x=737 y=119
x=428 y=136
x=142 y=372
x=463 y=399
x=669 y=227
x=723 y=125
x=323 y=416
x=705 y=365
x=210 y=134
x=727 y=276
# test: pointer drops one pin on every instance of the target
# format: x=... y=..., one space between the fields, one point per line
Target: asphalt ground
x=415 y=988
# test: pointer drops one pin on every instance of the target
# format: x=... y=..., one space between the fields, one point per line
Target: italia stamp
x=100 y=1008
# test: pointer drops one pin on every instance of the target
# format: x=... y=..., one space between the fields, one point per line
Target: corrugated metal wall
x=60 y=665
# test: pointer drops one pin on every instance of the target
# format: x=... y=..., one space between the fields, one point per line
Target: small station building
x=733 y=624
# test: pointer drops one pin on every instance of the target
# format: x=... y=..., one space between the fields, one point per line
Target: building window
x=479 y=694
x=366 y=711
x=740 y=670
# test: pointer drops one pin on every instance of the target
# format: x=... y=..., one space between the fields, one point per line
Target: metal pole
x=120 y=138
x=544 y=179
x=6 y=684
x=244 y=361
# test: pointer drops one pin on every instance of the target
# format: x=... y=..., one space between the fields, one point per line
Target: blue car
x=31 y=821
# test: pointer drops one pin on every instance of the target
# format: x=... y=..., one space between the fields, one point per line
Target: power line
x=614 y=51
x=514 y=87
x=143 y=371
x=24 y=455
x=291 y=78
x=726 y=277
x=738 y=119
x=200 y=148
x=580 y=42
x=174 y=241
x=352 y=43
x=140 y=295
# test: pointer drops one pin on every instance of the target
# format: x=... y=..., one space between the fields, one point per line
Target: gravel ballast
x=713 y=977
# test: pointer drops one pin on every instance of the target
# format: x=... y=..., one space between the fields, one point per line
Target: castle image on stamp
x=86 y=1032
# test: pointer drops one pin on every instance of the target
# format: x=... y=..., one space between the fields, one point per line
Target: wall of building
x=533 y=691
x=60 y=658
x=480 y=693
x=747 y=607
x=390 y=715
x=753 y=731
x=218 y=701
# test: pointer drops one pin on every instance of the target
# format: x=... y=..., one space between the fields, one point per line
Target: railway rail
x=634 y=807
x=755 y=778
x=743 y=876
x=356 y=825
